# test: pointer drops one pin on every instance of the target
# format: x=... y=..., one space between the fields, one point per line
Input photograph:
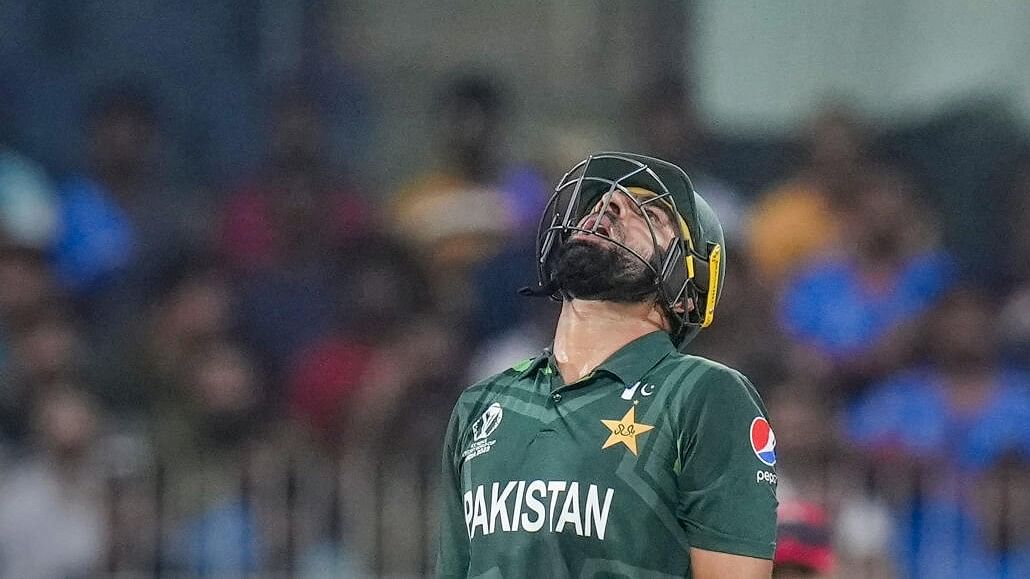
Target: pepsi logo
x=763 y=441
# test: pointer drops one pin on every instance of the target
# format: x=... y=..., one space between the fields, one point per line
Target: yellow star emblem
x=625 y=430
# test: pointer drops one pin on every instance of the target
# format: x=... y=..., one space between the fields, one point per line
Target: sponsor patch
x=763 y=441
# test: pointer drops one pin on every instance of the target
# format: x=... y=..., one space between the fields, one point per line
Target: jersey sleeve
x=453 y=550
x=727 y=486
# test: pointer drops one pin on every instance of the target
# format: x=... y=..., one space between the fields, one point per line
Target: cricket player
x=612 y=454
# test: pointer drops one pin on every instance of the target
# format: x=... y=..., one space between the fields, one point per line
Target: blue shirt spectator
x=223 y=541
x=97 y=237
x=829 y=307
x=943 y=539
x=123 y=219
x=939 y=533
x=910 y=414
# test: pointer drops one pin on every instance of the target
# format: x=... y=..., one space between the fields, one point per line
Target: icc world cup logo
x=488 y=422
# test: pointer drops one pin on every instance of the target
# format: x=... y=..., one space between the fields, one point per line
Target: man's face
x=963 y=332
x=591 y=267
x=297 y=139
x=123 y=142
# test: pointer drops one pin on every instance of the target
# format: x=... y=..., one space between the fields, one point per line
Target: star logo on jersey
x=626 y=430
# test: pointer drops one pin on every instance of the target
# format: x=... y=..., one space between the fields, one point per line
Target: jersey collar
x=628 y=364
x=632 y=361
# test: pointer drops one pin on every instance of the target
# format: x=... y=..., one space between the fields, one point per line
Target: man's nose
x=619 y=202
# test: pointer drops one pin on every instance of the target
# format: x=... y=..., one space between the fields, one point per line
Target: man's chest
x=568 y=460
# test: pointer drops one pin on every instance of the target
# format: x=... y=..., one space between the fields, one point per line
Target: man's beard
x=603 y=271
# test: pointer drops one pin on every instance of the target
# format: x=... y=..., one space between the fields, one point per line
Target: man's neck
x=589 y=332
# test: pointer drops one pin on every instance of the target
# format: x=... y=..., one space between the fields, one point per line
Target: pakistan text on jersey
x=553 y=506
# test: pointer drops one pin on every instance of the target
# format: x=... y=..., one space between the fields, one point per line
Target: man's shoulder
x=701 y=381
x=691 y=368
x=504 y=379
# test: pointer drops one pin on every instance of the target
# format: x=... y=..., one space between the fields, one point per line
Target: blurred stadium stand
x=250 y=253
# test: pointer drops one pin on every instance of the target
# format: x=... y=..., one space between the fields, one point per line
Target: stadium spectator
x=236 y=474
x=804 y=546
x=1000 y=508
x=461 y=212
x=275 y=410
x=324 y=381
x=981 y=532
x=858 y=308
x=122 y=221
x=281 y=231
x=26 y=291
x=749 y=337
x=124 y=216
x=44 y=351
x=196 y=304
x=365 y=396
x=386 y=362
x=214 y=404
x=799 y=219
x=936 y=414
x=47 y=351
x=807 y=441
x=298 y=206
x=816 y=469
x=668 y=121
x=326 y=375
x=203 y=442
x=26 y=285
x=929 y=430
x=192 y=304
x=52 y=520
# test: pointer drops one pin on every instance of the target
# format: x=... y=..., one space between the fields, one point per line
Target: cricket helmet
x=690 y=269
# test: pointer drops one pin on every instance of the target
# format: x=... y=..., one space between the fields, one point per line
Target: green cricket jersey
x=615 y=475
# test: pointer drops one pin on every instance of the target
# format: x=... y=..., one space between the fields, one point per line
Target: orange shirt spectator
x=791 y=224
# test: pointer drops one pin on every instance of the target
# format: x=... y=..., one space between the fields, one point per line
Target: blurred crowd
x=251 y=374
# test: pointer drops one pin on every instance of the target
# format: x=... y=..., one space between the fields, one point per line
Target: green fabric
x=525 y=474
